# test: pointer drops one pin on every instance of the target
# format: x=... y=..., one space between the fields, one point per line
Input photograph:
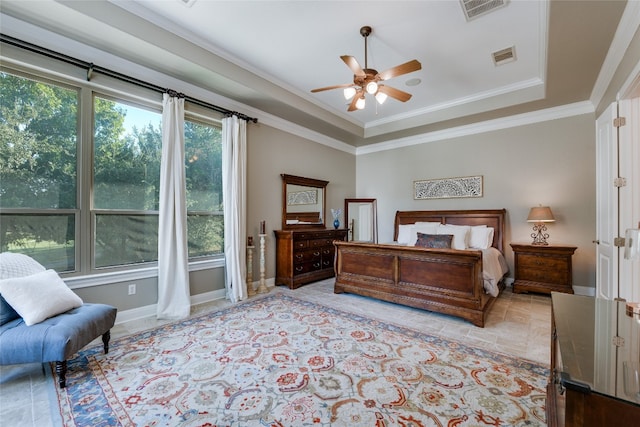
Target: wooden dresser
x=591 y=342
x=304 y=256
x=542 y=268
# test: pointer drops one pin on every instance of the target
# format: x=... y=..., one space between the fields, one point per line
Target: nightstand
x=542 y=268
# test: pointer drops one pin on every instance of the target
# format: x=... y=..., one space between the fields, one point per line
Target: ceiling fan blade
x=398 y=70
x=394 y=93
x=353 y=64
x=320 y=89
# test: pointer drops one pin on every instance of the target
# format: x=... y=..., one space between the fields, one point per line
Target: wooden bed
x=446 y=281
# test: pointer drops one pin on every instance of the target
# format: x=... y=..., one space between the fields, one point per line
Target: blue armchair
x=55 y=339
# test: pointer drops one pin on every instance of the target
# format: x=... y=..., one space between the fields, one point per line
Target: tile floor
x=518 y=325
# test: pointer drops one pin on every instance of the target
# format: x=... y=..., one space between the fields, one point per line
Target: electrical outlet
x=132 y=289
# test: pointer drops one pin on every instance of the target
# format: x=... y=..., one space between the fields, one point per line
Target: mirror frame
x=307 y=182
x=374 y=219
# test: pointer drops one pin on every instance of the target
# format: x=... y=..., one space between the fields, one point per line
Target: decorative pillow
x=437 y=241
x=460 y=234
x=15 y=265
x=424 y=228
x=39 y=296
x=480 y=237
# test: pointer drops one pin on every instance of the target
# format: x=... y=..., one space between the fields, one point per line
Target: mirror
x=303 y=202
x=362 y=220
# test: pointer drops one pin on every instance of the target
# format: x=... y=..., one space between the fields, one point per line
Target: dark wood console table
x=591 y=341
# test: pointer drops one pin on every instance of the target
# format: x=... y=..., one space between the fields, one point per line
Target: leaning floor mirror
x=362 y=221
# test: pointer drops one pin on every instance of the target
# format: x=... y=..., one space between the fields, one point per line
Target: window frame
x=85 y=274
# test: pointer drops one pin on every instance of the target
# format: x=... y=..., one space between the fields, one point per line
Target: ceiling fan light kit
x=366 y=80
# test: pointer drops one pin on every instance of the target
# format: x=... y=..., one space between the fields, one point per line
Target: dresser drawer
x=543 y=275
x=306 y=267
x=318 y=243
x=529 y=261
x=306 y=256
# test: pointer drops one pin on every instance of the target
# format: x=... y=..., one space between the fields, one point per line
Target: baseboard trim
x=151 y=310
x=584 y=290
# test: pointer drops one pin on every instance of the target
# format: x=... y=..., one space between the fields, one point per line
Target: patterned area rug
x=280 y=361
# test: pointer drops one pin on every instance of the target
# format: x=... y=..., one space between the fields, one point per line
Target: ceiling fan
x=366 y=80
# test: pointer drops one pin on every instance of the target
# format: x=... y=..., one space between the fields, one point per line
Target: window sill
x=99 y=279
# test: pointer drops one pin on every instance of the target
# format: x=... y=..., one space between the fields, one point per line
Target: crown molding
x=548 y=114
x=629 y=24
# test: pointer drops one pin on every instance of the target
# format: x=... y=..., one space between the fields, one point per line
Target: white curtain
x=173 y=258
x=234 y=183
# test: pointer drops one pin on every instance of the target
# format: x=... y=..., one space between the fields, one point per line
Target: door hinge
x=617 y=341
x=618 y=242
x=619 y=121
x=619 y=182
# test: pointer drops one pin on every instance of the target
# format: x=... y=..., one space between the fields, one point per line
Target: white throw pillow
x=39 y=296
x=18 y=265
x=404 y=233
x=480 y=237
x=460 y=235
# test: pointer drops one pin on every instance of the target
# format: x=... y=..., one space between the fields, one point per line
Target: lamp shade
x=540 y=214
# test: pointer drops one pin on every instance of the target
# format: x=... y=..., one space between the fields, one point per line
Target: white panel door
x=606 y=204
x=629 y=152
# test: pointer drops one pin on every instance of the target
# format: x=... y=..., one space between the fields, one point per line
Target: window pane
x=126 y=156
x=49 y=239
x=203 y=170
x=38 y=136
x=205 y=235
x=125 y=239
x=203 y=167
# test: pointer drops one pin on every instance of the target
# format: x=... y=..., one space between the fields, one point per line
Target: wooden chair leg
x=61 y=370
x=105 y=341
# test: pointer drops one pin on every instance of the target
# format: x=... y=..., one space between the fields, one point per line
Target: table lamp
x=540 y=215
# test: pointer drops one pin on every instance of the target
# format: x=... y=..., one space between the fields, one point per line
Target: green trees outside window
x=41 y=210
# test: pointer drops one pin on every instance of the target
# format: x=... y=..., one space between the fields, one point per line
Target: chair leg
x=105 y=341
x=61 y=370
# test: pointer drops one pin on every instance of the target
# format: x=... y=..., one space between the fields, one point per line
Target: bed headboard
x=491 y=218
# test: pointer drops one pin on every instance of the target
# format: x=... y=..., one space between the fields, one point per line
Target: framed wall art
x=447 y=188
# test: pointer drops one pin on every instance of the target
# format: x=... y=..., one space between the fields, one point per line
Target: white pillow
x=480 y=237
x=39 y=296
x=404 y=233
x=18 y=265
x=460 y=234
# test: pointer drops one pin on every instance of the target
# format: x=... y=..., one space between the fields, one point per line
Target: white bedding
x=494 y=267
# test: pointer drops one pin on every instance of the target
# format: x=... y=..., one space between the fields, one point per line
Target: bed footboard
x=440 y=280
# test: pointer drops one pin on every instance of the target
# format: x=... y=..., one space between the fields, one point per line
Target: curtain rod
x=91 y=68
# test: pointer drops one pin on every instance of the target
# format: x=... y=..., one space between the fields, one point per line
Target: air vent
x=505 y=55
x=474 y=8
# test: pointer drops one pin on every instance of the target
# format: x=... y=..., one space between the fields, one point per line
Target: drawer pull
x=316 y=264
x=299 y=256
x=316 y=254
x=299 y=269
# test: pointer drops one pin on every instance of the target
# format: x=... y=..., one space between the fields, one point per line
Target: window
x=127 y=144
x=103 y=215
x=38 y=170
x=203 y=160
